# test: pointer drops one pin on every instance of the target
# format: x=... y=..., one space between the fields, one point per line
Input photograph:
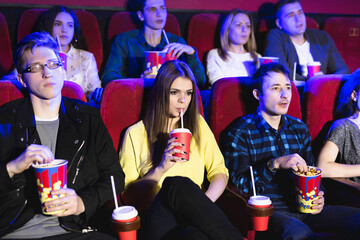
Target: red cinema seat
x=345 y=31
x=6 y=59
x=12 y=90
x=232 y=98
x=320 y=101
x=123 y=103
x=124 y=21
x=88 y=24
x=203 y=33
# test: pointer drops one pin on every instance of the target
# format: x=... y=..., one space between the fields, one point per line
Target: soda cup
x=260 y=223
x=184 y=137
x=264 y=60
x=168 y=56
x=50 y=177
x=313 y=68
x=307 y=188
x=125 y=221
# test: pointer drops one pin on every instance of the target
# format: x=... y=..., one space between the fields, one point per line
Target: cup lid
x=259 y=200
x=268 y=57
x=124 y=213
x=316 y=63
x=176 y=130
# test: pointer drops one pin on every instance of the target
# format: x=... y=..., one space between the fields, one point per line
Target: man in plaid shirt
x=275 y=144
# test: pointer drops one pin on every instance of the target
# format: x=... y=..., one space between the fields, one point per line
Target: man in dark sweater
x=293 y=43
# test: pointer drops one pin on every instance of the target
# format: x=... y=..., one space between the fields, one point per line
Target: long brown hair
x=157 y=113
x=250 y=46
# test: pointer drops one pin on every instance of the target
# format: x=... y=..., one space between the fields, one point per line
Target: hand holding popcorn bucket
x=50 y=177
x=307 y=186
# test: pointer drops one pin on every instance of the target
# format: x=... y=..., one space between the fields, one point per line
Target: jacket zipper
x=77 y=168
x=84 y=230
x=72 y=161
x=22 y=208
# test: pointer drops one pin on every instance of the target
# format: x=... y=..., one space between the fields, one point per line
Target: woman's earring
x=76 y=40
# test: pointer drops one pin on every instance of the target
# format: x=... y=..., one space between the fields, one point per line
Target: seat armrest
x=341 y=191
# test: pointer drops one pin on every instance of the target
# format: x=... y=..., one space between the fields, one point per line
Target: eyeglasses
x=40 y=67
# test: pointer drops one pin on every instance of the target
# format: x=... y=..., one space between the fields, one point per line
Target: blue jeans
x=286 y=225
x=181 y=210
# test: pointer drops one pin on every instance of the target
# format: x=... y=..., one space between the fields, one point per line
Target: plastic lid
x=259 y=200
x=314 y=63
x=124 y=213
x=176 y=130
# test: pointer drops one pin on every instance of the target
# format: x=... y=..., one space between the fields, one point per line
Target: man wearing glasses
x=42 y=127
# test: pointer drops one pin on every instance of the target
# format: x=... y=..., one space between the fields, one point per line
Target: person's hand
x=33 y=154
x=168 y=159
x=148 y=73
x=178 y=48
x=318 y=203
x=318 y=73
x=294 y=161
x=70 y=204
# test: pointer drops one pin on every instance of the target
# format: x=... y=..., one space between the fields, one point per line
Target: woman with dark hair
x=147 y=154
x=81 y=68
x=237 y=55
x=340 y=155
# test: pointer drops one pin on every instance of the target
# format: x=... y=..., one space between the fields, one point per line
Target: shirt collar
x=263 y=125
x=142 y=40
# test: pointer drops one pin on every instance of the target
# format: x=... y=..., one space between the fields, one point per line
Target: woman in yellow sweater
x=181 y=207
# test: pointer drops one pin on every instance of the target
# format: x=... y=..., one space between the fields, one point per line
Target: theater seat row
x=123 y=103
x=203 y=33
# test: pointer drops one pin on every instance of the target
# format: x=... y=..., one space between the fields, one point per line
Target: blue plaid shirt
x=252 y=141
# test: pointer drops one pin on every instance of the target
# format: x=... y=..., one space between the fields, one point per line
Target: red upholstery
x=122 y=22
x=232 y=98
x=203 y=33
x=88 y=24
x=320 y=99
x=345 y=31
x=122 y=105
x=5 y=49
x=12 y=90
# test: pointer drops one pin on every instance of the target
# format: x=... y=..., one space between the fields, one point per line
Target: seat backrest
x=123 y=103
x=12 y=90
x=345 y=31
x=204 y=33
x=232 y=98
x=6 y=59
x=125 y=21
x=319 y=103
x=88 y=24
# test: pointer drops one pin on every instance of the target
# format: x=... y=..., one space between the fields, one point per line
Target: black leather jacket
x=82 y=139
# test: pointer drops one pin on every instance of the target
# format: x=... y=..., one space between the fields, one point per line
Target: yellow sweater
x=134 y=156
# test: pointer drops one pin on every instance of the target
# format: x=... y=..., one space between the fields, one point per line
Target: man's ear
x=20 y=79
x=256 y=94
x=278 y=24
x=354 y=96
x=140 y=15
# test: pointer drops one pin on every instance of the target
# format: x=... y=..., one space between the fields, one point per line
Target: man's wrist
x=271 y=165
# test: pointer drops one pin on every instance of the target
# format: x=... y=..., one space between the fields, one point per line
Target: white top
x=304 y=55
x=82 y=69
x=237 y=65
